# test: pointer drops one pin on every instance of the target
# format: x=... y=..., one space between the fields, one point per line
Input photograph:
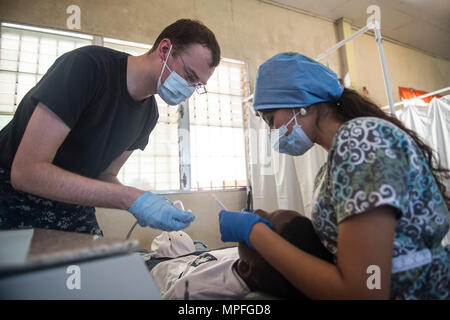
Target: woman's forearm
x=365 y=243
x=316 y=278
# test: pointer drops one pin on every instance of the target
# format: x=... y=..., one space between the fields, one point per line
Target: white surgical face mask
x=175 y=89
x=295 y=144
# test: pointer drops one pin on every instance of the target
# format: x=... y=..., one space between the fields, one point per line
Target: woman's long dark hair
x=352 y=105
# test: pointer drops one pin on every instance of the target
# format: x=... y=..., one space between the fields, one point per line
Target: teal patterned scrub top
x=371 y=163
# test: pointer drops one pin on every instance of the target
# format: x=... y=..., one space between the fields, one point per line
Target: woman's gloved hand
x=158 y=212
x=236 y=226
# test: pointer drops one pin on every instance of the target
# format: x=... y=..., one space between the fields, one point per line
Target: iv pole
x=375 y=25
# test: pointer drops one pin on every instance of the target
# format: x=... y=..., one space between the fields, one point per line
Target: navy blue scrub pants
x=20 y=210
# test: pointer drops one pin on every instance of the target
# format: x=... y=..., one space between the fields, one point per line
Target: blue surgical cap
x=292 y=80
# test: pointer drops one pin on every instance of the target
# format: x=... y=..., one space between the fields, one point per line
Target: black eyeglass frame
x=200 y=88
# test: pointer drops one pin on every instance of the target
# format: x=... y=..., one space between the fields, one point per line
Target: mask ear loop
x=295 y=117
x=168 y=54
x=165 y=64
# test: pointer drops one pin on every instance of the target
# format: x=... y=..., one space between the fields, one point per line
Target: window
x=25 y=55
x=158 y=166
x=198 y=145
x=216 y=150
x=217 y=131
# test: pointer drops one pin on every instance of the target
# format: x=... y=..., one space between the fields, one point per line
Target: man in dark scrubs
x=74 y=130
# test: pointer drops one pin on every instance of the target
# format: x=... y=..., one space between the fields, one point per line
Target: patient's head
x=260 y=275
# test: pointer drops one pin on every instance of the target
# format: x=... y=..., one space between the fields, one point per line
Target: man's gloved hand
x=236 y=226
x=158 y=212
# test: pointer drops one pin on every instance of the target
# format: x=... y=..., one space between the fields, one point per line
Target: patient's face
x=278 y=219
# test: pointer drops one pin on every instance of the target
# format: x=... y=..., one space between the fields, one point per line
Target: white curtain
x=432 y=123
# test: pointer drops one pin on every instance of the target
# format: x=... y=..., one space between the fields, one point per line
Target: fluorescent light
x=62 y=33
x=127 y=43
x=231 y=60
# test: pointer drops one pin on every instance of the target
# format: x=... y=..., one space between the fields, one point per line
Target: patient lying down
x=232 y=273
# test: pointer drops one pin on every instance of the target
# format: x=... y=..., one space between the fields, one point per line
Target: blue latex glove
x=236 y=226
x=158 y=212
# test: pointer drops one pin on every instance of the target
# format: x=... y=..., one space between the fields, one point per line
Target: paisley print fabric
x=372 y=163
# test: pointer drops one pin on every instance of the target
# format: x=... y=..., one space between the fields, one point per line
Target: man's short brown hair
x=185 y=32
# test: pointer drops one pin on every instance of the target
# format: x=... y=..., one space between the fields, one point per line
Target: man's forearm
x=49 y=181
x=110 y=178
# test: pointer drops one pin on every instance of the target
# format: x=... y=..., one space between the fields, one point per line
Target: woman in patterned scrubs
x=380 y=204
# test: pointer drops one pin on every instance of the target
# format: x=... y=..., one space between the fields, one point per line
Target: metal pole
x=185 y=147
x=387 y=83
x=246 y=127
x=420 y=97
x=250 y=97
x=341 y=43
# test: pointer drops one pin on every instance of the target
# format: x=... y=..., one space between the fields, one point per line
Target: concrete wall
x=117 y=223
x=248 y=30
x=407 y=67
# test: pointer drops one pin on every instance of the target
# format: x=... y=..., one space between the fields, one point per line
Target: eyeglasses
x=267 y=117
x=199 y=87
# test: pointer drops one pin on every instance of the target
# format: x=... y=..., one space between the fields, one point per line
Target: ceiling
x=423 y=24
